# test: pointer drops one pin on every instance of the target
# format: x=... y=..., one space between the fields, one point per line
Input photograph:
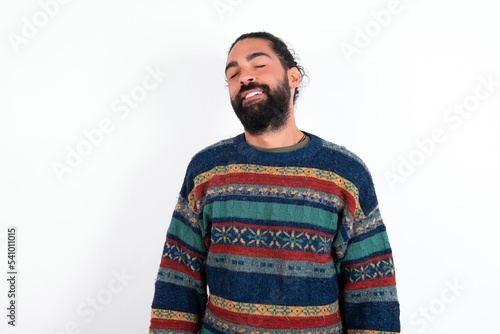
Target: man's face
x=258 y=86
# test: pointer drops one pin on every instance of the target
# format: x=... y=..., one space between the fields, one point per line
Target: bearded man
x=275 y=230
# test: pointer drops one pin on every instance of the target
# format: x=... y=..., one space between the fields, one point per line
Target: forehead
x=249 y=46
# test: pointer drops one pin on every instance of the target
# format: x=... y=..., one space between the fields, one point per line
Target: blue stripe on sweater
x=271 y=289
x=370 y=314
x=179 y=298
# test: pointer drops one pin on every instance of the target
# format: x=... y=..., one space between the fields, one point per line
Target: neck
x=287 y=136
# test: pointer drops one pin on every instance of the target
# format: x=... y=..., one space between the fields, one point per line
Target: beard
x=269 y=113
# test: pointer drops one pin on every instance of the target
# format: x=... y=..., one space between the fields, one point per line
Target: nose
x=246 y=76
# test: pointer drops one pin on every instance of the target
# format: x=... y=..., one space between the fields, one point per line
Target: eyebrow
x=249 y=57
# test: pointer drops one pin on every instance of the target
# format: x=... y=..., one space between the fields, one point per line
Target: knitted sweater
x=289 y=242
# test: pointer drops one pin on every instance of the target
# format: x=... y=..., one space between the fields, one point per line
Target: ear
x=294 y=77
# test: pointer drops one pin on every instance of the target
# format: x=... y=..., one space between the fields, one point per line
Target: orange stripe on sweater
x=373 y=259
x=275 y=322
x=185 y=249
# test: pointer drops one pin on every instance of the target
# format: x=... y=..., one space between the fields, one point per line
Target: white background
x=107 y=217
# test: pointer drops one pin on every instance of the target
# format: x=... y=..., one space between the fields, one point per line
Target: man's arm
x=180 y=290
x=365 y=267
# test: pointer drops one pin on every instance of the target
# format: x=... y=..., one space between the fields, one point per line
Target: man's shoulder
x=215 y=149
x=351 y=167
x=339 y=153
x=216 y=154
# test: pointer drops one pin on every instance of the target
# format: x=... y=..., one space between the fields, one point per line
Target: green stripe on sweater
x=186 y=234
x=357 y=250
x=272 y=211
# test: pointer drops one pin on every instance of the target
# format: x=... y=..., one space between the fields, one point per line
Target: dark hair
x=286 y=56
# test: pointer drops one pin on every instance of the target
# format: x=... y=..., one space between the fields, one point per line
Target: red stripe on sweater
x=371 y=283
x=173 y=325
x=169 y=264
x=291 y=181
x=272 y=253
x=275 y=322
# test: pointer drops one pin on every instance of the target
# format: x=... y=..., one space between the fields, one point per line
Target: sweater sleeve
x=180 y=290
x=365 y=267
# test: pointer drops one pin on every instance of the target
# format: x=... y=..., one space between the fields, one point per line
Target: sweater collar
x=263 y=156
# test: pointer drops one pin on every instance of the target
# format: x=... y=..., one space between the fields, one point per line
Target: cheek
x=233 y=91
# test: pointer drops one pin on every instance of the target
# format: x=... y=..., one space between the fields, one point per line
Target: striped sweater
x=289 y=242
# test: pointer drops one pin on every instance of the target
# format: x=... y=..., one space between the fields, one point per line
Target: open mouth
x=251 y=95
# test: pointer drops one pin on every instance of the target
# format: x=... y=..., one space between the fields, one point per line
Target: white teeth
x=252 y=94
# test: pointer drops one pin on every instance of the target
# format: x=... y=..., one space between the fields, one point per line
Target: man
x=282 y=226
